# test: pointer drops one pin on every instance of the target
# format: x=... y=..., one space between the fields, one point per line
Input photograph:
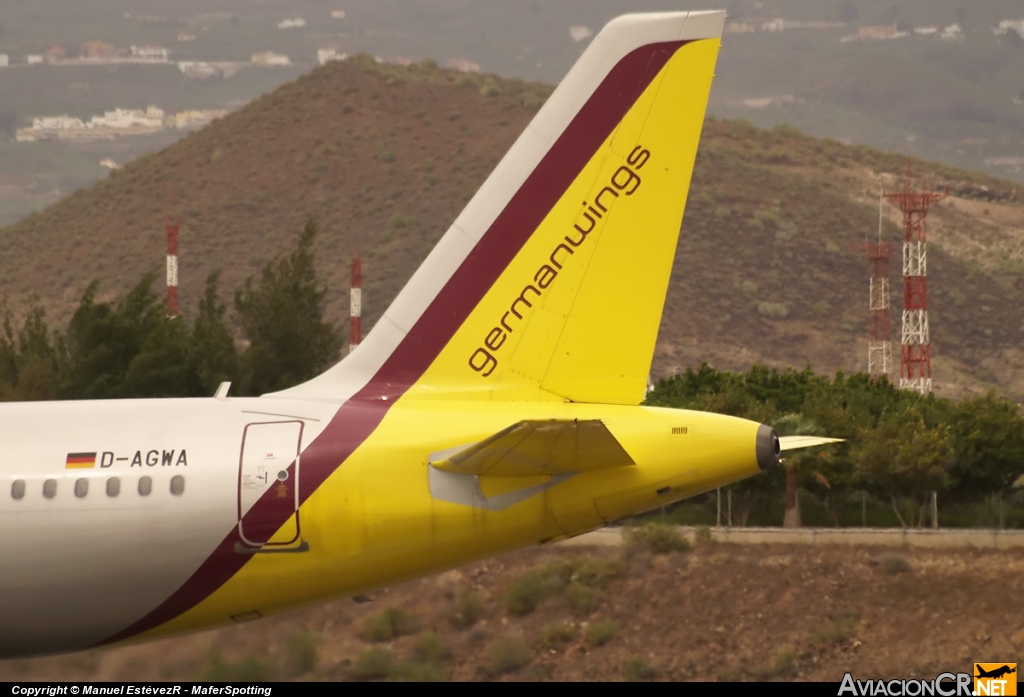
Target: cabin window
x=81 y=488
x=50 y=488
x=113 y=487
x=177 y=485
x=18 y=489
x=145 y=486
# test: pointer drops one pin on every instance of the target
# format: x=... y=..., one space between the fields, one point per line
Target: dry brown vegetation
x=384 y=157
x=715 y=612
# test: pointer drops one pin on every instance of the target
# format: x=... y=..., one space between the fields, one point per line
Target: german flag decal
x=80 y=461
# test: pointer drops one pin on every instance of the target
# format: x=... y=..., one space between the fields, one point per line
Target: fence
x=891 y=537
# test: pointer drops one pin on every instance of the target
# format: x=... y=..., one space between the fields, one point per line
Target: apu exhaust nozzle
x=768 y=449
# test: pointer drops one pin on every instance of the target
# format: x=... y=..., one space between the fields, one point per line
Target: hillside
x=719 y=612
x=385 y=156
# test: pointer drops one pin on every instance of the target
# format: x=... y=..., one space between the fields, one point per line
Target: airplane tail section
x=551 y=283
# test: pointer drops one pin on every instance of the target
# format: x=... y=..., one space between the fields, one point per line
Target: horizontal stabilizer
x=531 y=448
x=797 y=442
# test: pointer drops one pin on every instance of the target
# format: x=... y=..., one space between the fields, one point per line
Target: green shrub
x=490 y=91
x=478 y=637
x=527 y=591
x=768 y=219
x=782 y=664
x=508 y=654
x=401 y=220
x=390 y=623
x=581 y=598
x=300 y=653
x=702 y=535
x=468 y=609
x=429 y=647
x=600 y=632
x=593 y=572
x=840 y=629
x=636 y=670
x=554 y=635
x=893 y=564
x=772 y=310
x=374 y=662
x=656 y=537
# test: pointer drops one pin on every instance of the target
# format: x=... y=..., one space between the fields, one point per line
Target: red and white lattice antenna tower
x=172 y=268
x=879 y=341
x=915 y=348
x=355 y=306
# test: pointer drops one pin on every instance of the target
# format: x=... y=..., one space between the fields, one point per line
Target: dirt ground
x=715 y=612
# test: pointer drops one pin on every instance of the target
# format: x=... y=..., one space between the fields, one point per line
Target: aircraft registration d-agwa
x=496 y=404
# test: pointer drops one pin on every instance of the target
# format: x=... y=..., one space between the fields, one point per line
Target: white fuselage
x=78 y=568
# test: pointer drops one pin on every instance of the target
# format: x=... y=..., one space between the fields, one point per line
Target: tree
x=8 y=358
x=988 y=437
x=40 y=359
x=842 y=408
x=131 y=350
x=31 y=361
x=905 y=459
x=213 y=355
x=282 y=317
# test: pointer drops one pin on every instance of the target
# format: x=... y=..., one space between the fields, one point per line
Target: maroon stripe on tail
x=357 y=418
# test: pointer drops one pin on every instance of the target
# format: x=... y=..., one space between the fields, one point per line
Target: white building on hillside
x=952 y=33
x=151 y=118
x=35 y=59
x=1006 y=25
x=270 y=58
x=56 y=123
x=291 y=23
x=4 y=60
x=326 y=55
x=150 y=52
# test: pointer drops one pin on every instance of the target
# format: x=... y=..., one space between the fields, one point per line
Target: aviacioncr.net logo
x=943 y=685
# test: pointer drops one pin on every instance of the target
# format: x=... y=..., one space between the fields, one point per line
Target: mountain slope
x=384 y=157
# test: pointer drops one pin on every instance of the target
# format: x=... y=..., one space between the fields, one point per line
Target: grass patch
x=600 y=632
x=555 y=635
x=392 y=622
x=658 y=538
x=508 y=654
x=637 y=670
x=527 y=591
x=467 y=610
